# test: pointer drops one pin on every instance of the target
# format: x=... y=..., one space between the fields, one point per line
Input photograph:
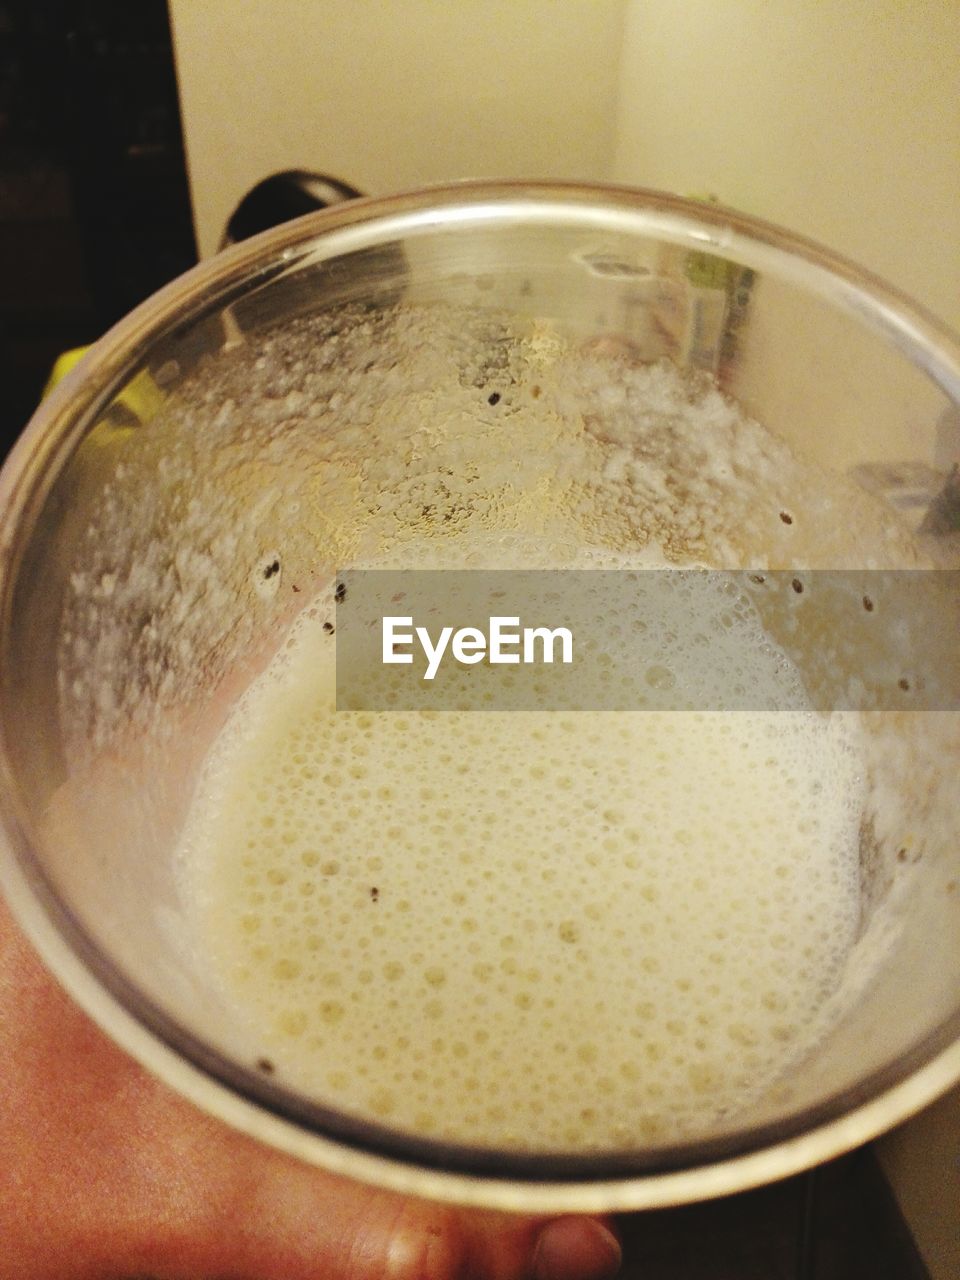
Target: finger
x=105 y=1173
x=576 y=1249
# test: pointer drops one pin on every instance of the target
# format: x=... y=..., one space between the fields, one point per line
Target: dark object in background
x=94 y=201
x=837 y=1222
x=375 y=273
x=943 y=517
x=279 y=198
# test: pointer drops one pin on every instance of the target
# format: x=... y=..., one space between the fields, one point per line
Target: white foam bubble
x=531 y=929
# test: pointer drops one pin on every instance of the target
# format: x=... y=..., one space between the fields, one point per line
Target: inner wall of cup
x=145 y=570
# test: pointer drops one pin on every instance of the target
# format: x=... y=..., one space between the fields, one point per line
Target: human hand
x=105 y=1174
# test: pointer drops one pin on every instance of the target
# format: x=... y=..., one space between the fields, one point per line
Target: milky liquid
x=527 y=929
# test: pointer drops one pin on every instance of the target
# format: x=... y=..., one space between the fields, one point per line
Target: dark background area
x=94 y=202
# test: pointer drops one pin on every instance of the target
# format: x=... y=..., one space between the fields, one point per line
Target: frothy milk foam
x=536 y=930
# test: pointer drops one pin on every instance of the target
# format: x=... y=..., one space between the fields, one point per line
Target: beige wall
x=392 y=94
x=840 y=120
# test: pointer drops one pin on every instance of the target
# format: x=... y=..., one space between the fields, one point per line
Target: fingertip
x=576 y=1249
x=423 y=1244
